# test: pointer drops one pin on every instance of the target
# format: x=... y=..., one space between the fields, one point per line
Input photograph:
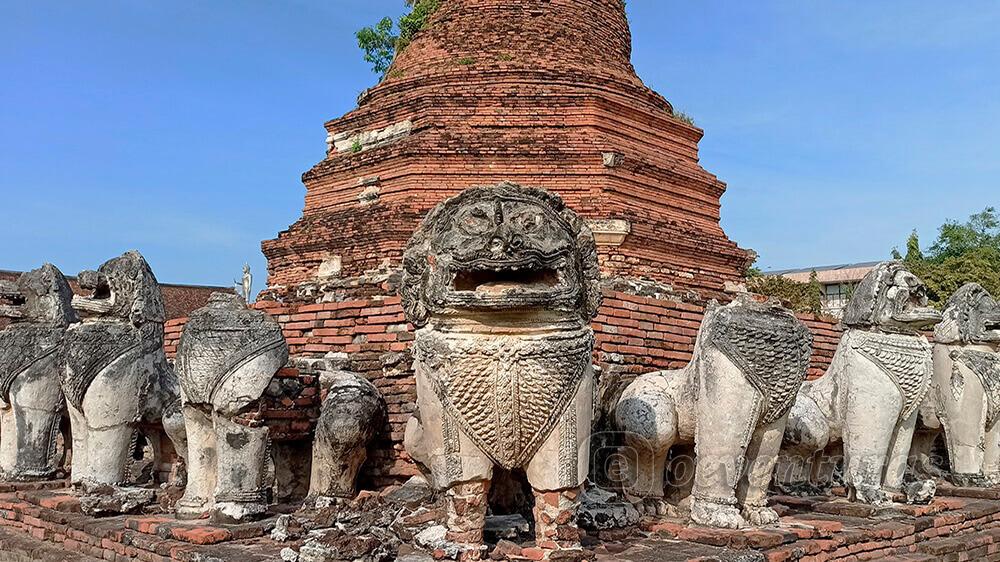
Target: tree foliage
x=381 y=42
x=967 y=252
x=798 y=296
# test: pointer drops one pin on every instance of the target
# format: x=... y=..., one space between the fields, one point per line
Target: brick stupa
x=537 y=92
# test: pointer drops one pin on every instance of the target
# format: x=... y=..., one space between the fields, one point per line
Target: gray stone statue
x=502 y=283
x=731 y=401
x=31 y=362
x=868 y=399
x=352 y=413
x=966 y=393
x=226 y=358
x=114 y=363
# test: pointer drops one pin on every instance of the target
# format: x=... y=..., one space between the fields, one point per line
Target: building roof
x=819 y=269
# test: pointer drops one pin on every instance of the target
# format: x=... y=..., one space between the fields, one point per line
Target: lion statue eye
x=528 y=221
x=476 y=221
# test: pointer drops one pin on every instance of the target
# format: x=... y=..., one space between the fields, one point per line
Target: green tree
x=967 y=252
x=381 y=43
x=798 y=296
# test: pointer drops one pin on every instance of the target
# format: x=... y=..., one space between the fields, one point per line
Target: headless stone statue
x=31 y=363
x=226 y=358
x=731 y=401
x=502 y=283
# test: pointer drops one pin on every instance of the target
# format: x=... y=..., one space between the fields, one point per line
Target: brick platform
x=53 y=516
x=962 y=525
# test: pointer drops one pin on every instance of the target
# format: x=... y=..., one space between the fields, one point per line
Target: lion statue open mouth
x=869 y=398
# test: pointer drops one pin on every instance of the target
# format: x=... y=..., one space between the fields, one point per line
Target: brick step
x=20 y=547
x=51 y=516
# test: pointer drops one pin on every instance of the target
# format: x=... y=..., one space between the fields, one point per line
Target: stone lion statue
x=226 y=358
x=731 y=401
x=966 y=391
x=350 y=417
x=501 y=283
x=31 y=361
x=869 y=398
x=117 y=376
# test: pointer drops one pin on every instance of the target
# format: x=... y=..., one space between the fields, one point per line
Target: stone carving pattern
x=507 y=393
x=226 y=358
x=986 y=366
x=118 y=349
x=111 y=343
x=749 y=362
x=772 y=350
x=30 y=365
x=869 y=398
x=906 y=360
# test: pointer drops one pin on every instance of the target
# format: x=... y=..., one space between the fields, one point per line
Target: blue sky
x=181 y=128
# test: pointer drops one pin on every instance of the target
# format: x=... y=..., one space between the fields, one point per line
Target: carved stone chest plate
x=771 y=348
x=506 y=392
x=986 y=366
x=905 y=359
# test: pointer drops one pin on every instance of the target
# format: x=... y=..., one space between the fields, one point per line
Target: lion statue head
x=122 y=288
x=890 y=298
x=972 y=316
x=500 y=248
x=40 y=296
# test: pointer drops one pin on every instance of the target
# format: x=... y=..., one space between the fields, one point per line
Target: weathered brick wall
x=634 y=335
x=539 y=92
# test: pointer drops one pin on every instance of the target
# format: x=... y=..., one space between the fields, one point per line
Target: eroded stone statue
x=502 y=283
x=731 y=401
x=352 y=413
x=967 y=385
x=31 y=364
x=114 y=363
x=868 y=399
x=226 y=358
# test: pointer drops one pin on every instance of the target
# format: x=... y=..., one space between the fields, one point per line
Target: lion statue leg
x=762 y=455
x=647 y=416
x=873 y=404
x=201 y=461
x=722 y=442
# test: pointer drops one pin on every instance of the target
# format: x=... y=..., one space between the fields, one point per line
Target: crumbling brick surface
x=538 y=92
x=961 y=524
